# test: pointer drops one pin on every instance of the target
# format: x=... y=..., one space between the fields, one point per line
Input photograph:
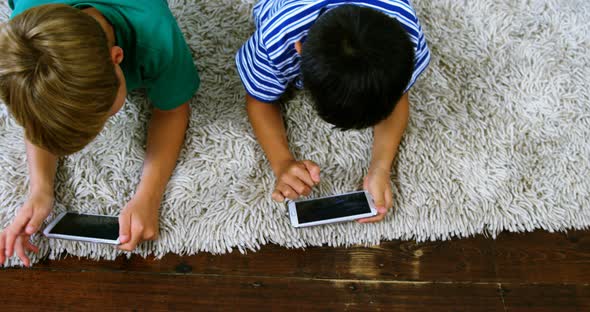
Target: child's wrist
x=277 y=165
x=40 y=197
x=380 y=167
x=41 y=189
x=153 y=197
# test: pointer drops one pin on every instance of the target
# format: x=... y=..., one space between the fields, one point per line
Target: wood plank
x=84 y=291
x=538 y=257
x=541 y=298
x=543 y=257
x=459 y=260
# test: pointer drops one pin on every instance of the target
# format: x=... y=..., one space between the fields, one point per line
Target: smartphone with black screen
x=332 y=209
x=84 y=227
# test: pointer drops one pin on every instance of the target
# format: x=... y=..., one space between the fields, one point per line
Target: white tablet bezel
x=295 y=221
x=51 y=225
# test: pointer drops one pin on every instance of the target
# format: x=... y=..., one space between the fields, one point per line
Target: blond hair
x=57 y=77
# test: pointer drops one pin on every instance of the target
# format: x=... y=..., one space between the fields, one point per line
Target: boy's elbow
x=250 y=100
x=184 y=111
x=180 y=113
x=251 y=103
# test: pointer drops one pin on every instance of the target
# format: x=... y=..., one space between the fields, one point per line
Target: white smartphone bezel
x=77 y=238
x=295 y=221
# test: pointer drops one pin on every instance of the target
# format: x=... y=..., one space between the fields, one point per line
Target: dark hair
x=356 y=62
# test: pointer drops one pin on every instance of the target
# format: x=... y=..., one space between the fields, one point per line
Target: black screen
x=74 y=224
x=332 y=207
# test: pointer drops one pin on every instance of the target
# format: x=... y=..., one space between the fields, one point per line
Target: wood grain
x=459 y=260
x=538 y=257
x=539 y=298
x=536 y=271
x=543 y=257
x=94 y=291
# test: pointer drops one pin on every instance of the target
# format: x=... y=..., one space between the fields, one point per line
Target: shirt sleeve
x=174 y=77
x=259 y=76
x=421 y=57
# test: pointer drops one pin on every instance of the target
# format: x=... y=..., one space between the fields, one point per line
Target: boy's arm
x=139 y=220
x=294 y=178
x=42 y=166
x=387 y=137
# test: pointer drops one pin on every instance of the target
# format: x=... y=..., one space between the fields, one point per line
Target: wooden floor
x=517 y=272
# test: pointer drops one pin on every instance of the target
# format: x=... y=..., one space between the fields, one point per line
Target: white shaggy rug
x=497 y=139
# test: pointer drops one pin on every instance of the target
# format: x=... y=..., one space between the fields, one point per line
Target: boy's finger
x=306 y=191
x=366 y=183
x=124 y=227
x=277 y=196
x=132 y=244
x=34 y=223
x=287 y=191
x=314 y=170
x=304 y=176
x=379 y=201
x=297 y=185
x=376 y=218
x=20 y=252
x=19 y=222
x=2 y=238
x=135 y=238
x=10 y=239
x=30 y=246
x=388 y=199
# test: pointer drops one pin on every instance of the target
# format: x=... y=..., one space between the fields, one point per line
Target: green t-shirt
x=157 y=57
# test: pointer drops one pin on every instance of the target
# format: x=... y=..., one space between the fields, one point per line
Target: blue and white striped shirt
x=268 y=62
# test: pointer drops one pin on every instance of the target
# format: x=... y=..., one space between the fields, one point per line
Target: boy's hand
x=27 y=221
x=138 y=222
x=21 y=245
x=295 y=178
x=378 y=183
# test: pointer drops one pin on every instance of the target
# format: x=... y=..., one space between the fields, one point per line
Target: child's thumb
x=314 y=170
x=379 y=202
x=34 y=223
x=124 y=228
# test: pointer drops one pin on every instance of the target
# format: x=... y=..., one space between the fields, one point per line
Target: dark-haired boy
x=358 y=59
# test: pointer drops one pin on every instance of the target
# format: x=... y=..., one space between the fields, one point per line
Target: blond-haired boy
x=66 y=67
